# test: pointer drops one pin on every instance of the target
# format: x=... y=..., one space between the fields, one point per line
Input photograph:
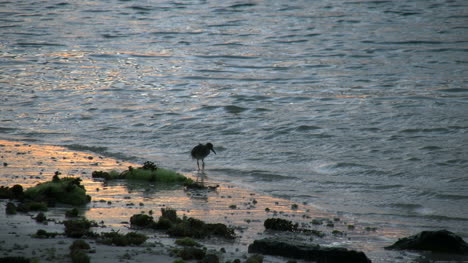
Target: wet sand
x=113 y=203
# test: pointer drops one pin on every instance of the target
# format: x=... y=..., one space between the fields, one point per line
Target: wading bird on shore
x=200 y=152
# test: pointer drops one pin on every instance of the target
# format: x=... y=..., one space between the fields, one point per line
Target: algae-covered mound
x=148 y=172
x=67 y=190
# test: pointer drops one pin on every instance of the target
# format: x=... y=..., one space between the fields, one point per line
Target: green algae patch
x=67 y=190
x=121 y=240
x=148 y=172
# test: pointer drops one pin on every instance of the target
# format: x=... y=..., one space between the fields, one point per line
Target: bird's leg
x=203 y=164
x=198 y=165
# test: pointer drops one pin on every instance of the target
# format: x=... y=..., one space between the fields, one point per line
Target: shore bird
x=200 y=151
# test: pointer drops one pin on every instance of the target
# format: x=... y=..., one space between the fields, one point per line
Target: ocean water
x=357 y=107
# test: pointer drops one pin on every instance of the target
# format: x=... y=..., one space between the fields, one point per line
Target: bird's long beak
x=213 y=150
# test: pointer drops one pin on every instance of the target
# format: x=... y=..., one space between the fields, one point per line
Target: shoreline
x=113 y=203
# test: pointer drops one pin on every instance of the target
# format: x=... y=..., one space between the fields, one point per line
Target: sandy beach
x=113 y=203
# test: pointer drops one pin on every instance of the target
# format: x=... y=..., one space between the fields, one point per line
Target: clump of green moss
x=28 y=206
x=148 y=172
x=189 y=253
x=14 y=192
x=67 y=190
x=79 y=244
x=183 y=227
x=117 y=239
x=78 y=251
x=72 y=213
x=141 y=220
x=192 y=227
x=41 y=233
x=187 y=242
x=78 y=228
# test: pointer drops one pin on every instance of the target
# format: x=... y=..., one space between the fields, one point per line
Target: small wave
x=267 y=176
x=454 y=90
x=234 y=109
x=442 y=130
x=452 y=196
x=83 y=148
x=101 y=151
x=430 y=148
x=406 y=206
x=39 y=44
x=307 y=128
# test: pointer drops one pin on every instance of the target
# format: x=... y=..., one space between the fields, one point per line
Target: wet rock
x=435 y=241
x=307 y=252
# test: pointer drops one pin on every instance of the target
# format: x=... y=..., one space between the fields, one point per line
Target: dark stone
x=307 y=252
x=435 y=241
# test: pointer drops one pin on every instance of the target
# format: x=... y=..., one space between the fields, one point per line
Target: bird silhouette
x=200 y=151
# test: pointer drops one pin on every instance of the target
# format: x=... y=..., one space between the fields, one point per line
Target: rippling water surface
x=357 y=107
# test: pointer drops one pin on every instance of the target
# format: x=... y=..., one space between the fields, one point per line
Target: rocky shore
x=138 y=220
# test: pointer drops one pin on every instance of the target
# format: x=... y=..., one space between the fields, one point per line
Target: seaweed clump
x=148 y=172
x=117 y=239
x=79 y=227
x=182 y=227
x=78 y=251
x=67 y=190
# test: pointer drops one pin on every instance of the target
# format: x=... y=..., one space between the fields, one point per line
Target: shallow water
x=356 y=107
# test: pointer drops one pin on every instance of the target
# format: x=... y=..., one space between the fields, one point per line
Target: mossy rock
x=189 y=253
x=32 y=206
x=67 y=190
x=192 y=227
x=79 y=256
x=148 y=172
x=117 y=239
x=78 y=228
x=14 y=192
x=141 y=220
x=41 y=233
x=187 y=242
x=79 y=244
